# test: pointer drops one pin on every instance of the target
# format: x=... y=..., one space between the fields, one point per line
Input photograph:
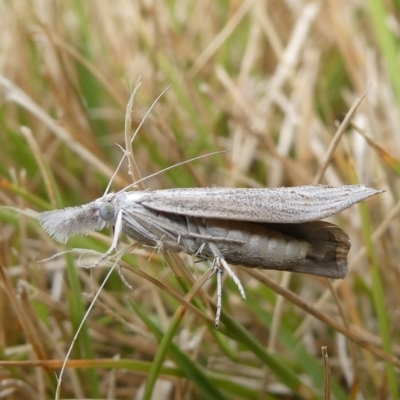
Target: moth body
x=265 y=228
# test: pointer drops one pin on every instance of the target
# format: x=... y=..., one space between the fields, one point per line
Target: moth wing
x=329 y=247
x=280 y=205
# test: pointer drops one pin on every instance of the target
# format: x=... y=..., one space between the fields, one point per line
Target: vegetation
x=266 y=86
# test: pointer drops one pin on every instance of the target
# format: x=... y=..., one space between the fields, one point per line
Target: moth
x=277 y=229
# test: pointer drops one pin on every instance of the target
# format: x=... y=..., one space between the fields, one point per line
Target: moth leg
x=120 y=271
x=217 y=271
x=221 y=262
x=114 y=244
x=123 y=279
x=200 y=249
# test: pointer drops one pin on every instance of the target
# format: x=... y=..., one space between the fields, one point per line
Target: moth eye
x=106 y=211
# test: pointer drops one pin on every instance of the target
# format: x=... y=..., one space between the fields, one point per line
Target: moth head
x=77 y=221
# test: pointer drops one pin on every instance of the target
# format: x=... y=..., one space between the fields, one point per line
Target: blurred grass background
x=266 y=81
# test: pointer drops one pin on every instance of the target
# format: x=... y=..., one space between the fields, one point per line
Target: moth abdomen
x=261 y=247
x=317 y=248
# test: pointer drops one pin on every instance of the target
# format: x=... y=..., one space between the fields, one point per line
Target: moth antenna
x=116 y=171
x=128 y=121
x=172 y=166
x=132 y=166
x=148 y=112
x=128 y=140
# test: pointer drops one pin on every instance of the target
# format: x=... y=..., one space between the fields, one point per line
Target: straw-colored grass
x=264 y=83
